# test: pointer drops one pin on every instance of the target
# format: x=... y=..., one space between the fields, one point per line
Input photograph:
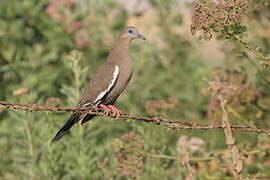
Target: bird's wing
x=100 y=85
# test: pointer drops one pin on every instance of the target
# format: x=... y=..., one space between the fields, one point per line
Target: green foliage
x=49 y=51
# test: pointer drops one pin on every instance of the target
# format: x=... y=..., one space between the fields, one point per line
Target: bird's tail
x=70 y=122
x=87 y=118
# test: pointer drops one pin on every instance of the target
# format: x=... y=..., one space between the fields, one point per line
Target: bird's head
x=131 y=33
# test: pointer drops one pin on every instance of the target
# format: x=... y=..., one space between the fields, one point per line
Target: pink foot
x=115 y=110
x=106 y=109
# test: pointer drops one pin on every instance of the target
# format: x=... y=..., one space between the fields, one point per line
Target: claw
x=106 y=110
x=115 y=110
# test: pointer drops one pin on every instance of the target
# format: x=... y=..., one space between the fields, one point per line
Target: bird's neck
x=120 y=51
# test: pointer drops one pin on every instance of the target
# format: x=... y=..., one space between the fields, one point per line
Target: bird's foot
x=106 y=109
x=116 y=112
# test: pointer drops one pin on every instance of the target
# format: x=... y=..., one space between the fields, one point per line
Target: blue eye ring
x=130 y=31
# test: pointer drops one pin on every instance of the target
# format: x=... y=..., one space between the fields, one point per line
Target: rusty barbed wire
x=169 y=123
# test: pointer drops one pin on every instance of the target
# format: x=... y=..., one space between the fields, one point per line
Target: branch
x=230 y=141
x=169 y=123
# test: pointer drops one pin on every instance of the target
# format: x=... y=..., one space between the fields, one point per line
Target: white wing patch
x=114 y=78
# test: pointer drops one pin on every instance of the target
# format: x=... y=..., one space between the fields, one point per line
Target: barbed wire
x=169 y=123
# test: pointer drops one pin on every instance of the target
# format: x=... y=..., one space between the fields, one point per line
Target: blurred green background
x=37 y=66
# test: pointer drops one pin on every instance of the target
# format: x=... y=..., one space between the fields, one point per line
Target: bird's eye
x=130 y=31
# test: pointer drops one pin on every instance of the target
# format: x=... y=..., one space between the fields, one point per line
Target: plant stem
x=252 y=49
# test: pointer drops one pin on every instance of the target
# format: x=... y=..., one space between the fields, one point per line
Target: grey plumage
x=109 y=81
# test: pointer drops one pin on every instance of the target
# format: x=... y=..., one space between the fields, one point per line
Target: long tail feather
x=87 y=118
x=70 y=122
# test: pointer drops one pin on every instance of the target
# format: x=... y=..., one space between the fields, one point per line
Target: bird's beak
x=140 y=36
